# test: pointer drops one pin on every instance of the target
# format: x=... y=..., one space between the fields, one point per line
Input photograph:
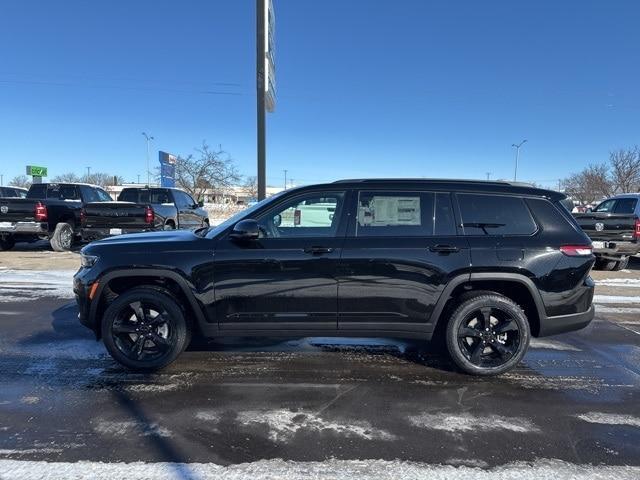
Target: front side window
x=606 y=206
x=308 y=215
x=495 y=215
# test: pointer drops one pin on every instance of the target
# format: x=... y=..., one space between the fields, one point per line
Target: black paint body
x=347 y=285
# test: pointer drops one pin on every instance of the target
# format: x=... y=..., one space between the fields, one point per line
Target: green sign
x=36 y=171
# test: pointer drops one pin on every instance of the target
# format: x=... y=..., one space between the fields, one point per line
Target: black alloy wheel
x=145 y=329
x=487 y=335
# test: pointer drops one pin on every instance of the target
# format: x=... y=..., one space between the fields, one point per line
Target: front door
x=400 y=252
x=287 y=278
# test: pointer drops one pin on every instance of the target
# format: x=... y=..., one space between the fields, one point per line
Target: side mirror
x=201 y=203
x=245 y=230
x=589 y=210
x=277 y=220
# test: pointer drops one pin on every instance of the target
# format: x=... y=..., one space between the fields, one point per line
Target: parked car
x=49 y=211
x=487 y=265
x=142 y=210
x=13 y=192
x=614 y=228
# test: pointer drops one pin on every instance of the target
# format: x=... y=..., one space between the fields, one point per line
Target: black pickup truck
x=142 y=210
x=614 y=229
x=49 y=211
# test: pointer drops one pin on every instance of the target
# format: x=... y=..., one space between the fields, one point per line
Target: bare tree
x=625 y=170
x=102 y=179
x=250 y=186
x=590 y=185
x=68 y=177
x=20 y=181
x=208 y=169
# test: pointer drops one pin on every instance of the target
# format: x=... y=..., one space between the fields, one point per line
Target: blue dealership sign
x=167 y=169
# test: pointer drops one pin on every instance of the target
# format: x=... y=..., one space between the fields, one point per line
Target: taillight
x=83 y=215
x=41 y=212
x=576 y=250
x=149 y=215
x=636 y=229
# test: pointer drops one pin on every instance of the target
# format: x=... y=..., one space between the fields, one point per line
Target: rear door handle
x=444 y=249
x=318 y=250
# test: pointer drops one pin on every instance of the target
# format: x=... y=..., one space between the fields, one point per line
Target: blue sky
x=365 y=88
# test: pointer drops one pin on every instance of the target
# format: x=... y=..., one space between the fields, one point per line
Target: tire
x=62 y=238
x=501 y=351
x=149 y=314
x=621 y=264
x=606 y=265
x=7 y=243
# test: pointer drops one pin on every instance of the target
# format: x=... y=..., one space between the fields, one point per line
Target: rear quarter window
x=495 y=215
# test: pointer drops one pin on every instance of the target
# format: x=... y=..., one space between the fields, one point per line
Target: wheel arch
x=119 y=281
x=519 y=288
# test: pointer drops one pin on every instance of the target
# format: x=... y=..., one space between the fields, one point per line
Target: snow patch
x=610 y=419
x=619 y=282
x=466 y=423
x=615 y=299
x=327 y=470
x=601 y=309
x=552 y=345
x=284 y=424
x=24 y=285
x=125 y=428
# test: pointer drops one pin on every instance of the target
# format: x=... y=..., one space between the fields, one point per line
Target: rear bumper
x=617 y=250
x=25 y=228
x=90 y=234
x=565 y=323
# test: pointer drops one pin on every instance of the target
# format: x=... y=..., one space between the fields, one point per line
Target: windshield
x=213 y=231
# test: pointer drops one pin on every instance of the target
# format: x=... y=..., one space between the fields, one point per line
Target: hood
x=144 y=241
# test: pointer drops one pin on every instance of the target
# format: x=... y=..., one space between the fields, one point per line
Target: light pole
x=88 y=173
x=285 y=178
x=1 y=180
x=149 y=138
x=515 y=172
x=488 y=175
x=138 y=179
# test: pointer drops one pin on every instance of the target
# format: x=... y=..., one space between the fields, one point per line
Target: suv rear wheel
x=145 y=329
x=487 y=335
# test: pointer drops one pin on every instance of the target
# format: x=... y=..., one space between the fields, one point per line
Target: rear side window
x=128 y=196
x=398 y=214
x=625 y=205
x=62 y=192
x=37 y=190
x=495 y=215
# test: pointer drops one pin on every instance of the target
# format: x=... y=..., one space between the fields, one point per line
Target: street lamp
x=149 y=138
x=515 y=172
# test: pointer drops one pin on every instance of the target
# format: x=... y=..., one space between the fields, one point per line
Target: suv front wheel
x=145 y=329
x=487 y=335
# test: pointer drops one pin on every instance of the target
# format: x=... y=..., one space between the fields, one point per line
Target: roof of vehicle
x=623 y=195
x=70 y=183
x=453 y=184
x=13 y=186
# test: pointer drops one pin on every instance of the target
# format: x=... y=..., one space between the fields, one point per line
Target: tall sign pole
x=265 y=83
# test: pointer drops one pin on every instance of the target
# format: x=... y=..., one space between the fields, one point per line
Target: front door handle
x=318 y=250
x=444 y=249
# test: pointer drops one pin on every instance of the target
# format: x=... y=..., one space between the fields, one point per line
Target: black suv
x=484 y=264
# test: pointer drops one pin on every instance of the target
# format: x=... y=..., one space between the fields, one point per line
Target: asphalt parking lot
x=360 y=405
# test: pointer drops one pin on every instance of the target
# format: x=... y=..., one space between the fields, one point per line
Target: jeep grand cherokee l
x=487 y=264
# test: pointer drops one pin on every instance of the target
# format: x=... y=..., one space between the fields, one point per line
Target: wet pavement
x=576 y=398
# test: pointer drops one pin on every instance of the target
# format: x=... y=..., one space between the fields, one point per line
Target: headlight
x=88 y=261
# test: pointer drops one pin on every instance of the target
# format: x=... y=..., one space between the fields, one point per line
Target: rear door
x=401 y=250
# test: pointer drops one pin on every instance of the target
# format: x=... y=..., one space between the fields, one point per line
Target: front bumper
x=24 y=228
x=617 y=250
